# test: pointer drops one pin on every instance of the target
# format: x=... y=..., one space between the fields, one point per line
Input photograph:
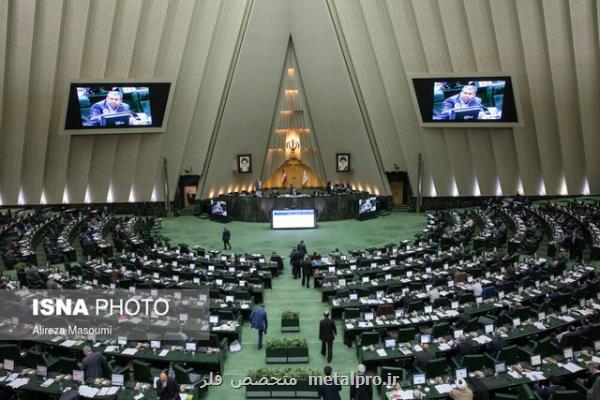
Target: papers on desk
x=17 y=383
x=87 y=391
x=444 y=346
x=111 y=349
x=482 y=339
x=47 y=383
x=571 y=367
x=163 y=353
x=381 y=353
x=417 y=347
x=183 y=396
x=404 y=350
x=539 y=325
x=244 y=306
x=595 y=359
x=444 y=388
x=363 y=324
x=108 y=391
x=567 y=318
x=129 y=351
x=135 y=320
x=514 y=374
x=349 y=326
x=68 y=343
x=535 y=376
x=57 y=339
x=12 y=377
x=403 y=394
x=161 y=322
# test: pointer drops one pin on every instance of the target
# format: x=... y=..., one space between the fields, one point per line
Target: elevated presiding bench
x=258 y=209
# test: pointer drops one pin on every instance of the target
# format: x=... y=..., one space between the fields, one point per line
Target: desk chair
x=406 y=334
x=565 y=395
x=351 y=312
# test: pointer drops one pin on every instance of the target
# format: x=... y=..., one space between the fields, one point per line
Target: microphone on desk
x=481 y=105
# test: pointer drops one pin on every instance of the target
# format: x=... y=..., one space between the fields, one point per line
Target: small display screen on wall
x=466 y=100
x=109 y=106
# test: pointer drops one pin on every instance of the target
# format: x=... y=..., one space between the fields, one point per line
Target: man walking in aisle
x=327 y=332
x=226 y=238
x=258 y=320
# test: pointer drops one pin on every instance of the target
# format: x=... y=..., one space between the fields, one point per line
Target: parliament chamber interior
x=312 y=199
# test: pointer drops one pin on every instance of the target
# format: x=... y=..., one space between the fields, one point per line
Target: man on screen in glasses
x=112 y=104
x=463 y=106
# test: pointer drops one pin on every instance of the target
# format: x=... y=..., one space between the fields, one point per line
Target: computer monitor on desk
x=117 y=380
x=465 y=114
x=119 y=119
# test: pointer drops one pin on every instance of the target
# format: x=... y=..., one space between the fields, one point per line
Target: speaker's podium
x=224 y=219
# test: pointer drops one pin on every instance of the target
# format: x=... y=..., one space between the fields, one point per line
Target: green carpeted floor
x=287 y=294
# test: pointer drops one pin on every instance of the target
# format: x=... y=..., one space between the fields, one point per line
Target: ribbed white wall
x=45 y=44
x=550 y=47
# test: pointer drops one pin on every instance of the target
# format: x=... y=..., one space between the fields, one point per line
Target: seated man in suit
x=465 y=99
x=93 y=364
x=423 y=357
x=112 y=104
x=461 y=347
x=545 y=391
x=496 y=344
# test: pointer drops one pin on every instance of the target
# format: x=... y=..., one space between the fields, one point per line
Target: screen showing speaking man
x=112 y=110
x=464 y=101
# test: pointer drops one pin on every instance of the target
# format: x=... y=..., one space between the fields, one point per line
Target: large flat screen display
x=117 y=107
x=484 y=101
x=293 y=219
x=367 y=205
x=218 y=207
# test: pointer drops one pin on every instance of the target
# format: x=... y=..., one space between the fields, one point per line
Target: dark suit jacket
x=461 y=321
x=547 y=391
x=92 y=365
x=295 y=257
x=306 y=267
x=464 y=349
x=329 y=392
x=495 y=345
x=422 y=357
x=169 y=392
x=327 y=329
x=363 y=392
x=302 y=248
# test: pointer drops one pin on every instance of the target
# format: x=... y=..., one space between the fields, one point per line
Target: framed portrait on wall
x=342 y=162
x=244 y=163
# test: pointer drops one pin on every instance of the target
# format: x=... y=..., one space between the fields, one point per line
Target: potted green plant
x=290 y=321
x=276 y=351
x=297 y=350
x=301 y=388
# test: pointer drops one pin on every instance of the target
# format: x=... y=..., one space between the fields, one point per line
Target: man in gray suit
x=93 y=363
